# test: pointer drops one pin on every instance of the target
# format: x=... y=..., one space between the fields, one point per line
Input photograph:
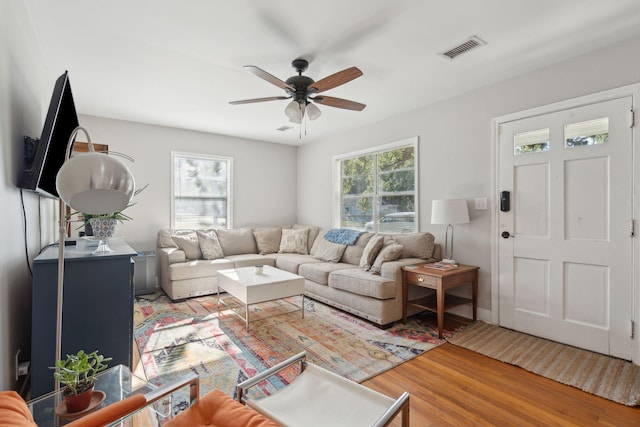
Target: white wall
x=25 y=90
x=455 y=146
x=264 y=187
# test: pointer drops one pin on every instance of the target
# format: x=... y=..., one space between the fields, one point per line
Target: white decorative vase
x=103 y=227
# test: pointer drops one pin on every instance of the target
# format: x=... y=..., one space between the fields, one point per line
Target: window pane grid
x=201 y=187
x=378 y=191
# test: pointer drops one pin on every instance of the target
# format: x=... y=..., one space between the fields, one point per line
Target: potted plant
x=78 y=374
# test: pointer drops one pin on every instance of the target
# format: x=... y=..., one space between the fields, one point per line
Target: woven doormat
x=604 y=376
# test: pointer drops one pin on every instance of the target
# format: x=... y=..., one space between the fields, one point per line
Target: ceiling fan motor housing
x=300 y=83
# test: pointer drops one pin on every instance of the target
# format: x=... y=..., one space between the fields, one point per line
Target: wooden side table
x=440 y=281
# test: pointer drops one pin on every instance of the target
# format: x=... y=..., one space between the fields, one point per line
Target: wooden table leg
x=440 y=308
x=405 y=295
x=474 y=292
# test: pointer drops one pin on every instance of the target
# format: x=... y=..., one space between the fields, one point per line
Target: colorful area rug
x=177 y=338
x=604 y=376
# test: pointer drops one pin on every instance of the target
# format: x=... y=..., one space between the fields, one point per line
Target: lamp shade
x=95 y=183
x=313 y=112
x=294 y=112
x=449 y=211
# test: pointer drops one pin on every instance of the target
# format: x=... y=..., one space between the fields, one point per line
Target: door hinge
x=632 y=227
x=632 y=115
x=632 y=328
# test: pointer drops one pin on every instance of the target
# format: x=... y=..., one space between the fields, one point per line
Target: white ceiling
x=178 y=63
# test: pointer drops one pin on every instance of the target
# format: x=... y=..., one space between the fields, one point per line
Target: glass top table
x=117 y=383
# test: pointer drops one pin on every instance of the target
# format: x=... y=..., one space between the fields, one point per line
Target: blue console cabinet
x=97 y=308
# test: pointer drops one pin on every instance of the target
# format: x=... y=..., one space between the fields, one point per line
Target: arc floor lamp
x=94 y=183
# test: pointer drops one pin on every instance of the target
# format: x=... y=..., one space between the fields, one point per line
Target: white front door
x=565 y=251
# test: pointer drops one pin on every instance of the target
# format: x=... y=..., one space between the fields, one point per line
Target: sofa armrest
x=171 y=255
x=164 y=258
x=391 y=269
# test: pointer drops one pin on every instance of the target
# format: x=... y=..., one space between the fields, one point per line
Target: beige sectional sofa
x=363 y=277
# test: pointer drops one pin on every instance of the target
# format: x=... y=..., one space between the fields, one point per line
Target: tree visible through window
x=378 y=190
x=201 y=191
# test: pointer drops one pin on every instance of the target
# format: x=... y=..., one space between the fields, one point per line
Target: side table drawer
x=420 y=279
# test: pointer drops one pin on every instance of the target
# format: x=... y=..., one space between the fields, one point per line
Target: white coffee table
x=250 y=287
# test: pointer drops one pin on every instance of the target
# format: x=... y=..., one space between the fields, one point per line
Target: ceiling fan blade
x=338 y=103
x=249 y=101
x=268 y=77
x=334 y=80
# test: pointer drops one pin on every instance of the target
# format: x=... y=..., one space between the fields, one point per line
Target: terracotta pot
x=78 y=403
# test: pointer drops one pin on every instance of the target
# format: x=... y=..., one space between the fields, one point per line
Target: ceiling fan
x=300 y=88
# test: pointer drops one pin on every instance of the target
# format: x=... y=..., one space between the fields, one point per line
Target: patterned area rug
x=176 y=338
x=604 y=376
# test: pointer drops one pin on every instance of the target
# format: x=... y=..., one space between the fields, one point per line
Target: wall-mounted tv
x=44 y=157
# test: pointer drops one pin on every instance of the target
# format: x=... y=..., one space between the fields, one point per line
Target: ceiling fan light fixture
x=293 y=112
x=313 y=112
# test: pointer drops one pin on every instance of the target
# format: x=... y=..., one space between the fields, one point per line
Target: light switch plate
x=481 y=203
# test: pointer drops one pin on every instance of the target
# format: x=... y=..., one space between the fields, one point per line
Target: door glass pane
x=591 y=132
x=534 y=141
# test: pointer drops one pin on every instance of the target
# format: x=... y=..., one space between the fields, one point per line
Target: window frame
x=337 y=176
x=202 y=156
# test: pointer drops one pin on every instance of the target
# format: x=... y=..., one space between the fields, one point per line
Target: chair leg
x=405 y=414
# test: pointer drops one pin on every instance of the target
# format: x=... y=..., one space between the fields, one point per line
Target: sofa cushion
x=361 y=282
x=268 y=240
x=209 y=244
x=292 y=262
x=328 y=251
x=188 y=242
x=389 y=252
x=319 y=272
x=294 y=241
x=311 y=237
x=237 y=241
x=353 y=253
x=164 y=239
x=317 y=241
x=416 y=245
x=198 y=268
x=371 y=251
x=219 y=410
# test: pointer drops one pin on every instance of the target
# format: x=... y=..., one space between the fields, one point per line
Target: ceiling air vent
x=467 y=45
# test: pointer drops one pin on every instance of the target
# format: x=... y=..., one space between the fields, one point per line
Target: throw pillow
x=294 y=241
x=209 y=244
x=268 y=240
x=311 y=237
x=237 y=241
x=189 y=244
x=416 y=245
x=371 y=251
x=390 y=252
x=328 y=251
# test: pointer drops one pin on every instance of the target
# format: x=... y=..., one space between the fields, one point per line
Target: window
x=201 y=196
x=536 y=141
x=591 y=132
x=378 y=188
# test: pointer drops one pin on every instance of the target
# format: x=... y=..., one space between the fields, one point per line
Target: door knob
x=506 y=235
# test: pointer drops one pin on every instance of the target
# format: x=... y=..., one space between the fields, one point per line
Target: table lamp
x=94 y=183
x=449 y=211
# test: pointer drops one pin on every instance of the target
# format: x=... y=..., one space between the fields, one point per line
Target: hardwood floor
x=451 y=386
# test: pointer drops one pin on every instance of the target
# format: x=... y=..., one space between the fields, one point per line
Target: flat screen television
x=44 y=157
